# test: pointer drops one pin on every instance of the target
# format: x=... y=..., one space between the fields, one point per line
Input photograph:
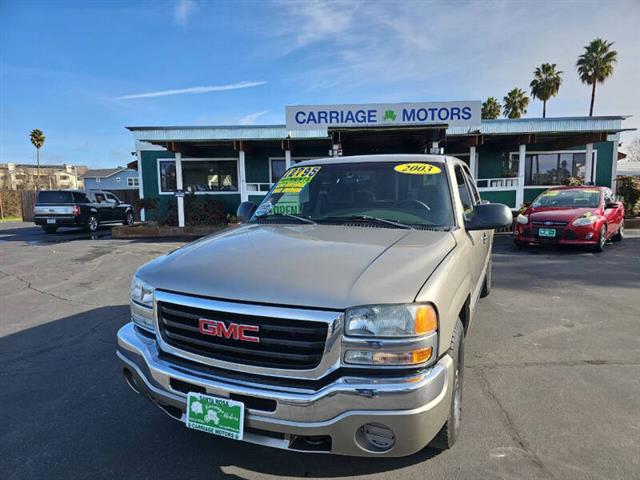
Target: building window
x=167 y=176
x=97 y=179
x=278 y=167
x=550 y=168
x=132 y=181
x=210 y=175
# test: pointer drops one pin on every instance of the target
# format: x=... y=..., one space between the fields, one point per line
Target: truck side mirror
x=490 y=216
x=245 y=211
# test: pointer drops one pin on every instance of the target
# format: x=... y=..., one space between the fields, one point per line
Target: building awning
x=610 y=124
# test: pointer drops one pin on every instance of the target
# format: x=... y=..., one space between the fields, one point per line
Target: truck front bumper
x=330 y=419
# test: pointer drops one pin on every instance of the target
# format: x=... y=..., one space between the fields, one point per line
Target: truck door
x=104 y=208
x=480 y=240
x=117 y=210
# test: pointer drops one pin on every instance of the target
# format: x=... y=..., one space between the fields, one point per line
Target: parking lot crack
x=512 y=429
x=29 y=286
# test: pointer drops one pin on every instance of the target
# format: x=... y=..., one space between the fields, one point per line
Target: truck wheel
x=128 y=219
x=486 y=286
x=92 y=223
x=448 y=435
x=620 y=234
x=50 y=229
x=602 y=239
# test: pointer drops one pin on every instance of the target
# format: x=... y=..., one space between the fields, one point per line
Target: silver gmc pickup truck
x=332 y=320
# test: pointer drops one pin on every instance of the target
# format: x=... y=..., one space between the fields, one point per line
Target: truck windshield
x=391 y=194
x=54 y=197
x=574 y=198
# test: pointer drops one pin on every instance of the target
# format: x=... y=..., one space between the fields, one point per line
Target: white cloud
x=192 y=90
x=251 y=118
x=402 y=51
x=182 y=11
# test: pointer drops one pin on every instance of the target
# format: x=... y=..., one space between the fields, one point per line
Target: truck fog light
x=375 y=437
x=588 y=236
x=368 y=357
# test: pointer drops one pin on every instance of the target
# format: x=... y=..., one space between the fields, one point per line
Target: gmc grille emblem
x=237 y=331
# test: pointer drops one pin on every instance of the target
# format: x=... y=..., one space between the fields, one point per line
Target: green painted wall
x=492 y=163
x=531 y=193
x=508 y=197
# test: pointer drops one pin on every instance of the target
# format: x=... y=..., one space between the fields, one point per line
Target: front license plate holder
x=547 y=232
x=215 y=415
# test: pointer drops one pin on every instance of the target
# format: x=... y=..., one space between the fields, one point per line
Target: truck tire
x=448 y=435
x=92 y=223
x=128 y=218
x=486 y=285
x=50 y=229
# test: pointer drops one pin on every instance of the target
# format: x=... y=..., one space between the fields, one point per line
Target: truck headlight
x=390 y=335
x=142 y=303
x=141 y=292
x=522 y=219
x=391 y=320
x=584 y=221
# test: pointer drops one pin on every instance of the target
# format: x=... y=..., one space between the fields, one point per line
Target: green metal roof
x=544 y=125
x=610 y=124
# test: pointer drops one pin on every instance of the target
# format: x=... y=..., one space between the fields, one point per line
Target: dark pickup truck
x=76 y=208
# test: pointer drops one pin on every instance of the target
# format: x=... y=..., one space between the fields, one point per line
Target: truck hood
x=320 y=266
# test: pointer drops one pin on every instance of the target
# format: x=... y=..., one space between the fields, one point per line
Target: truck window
x=54 y=197
x=466 y=196
x=81 y=197
x=100 y=198
x=111 y=197
x=414 y=193
x=472 y=186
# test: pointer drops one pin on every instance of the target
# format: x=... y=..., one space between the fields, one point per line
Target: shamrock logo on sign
x=390 y=115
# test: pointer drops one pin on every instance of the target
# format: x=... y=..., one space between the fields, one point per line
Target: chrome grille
x=283 y=343
x=549 y=223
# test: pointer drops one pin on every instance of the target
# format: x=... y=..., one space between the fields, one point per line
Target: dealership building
x=512 y=160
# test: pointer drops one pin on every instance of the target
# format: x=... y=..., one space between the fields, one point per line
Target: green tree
x=490 y=109
x=545 y=84
x=595 y=65
x=37 y=139
x=515 y=103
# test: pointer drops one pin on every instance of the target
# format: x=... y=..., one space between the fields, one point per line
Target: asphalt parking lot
x=552 y=386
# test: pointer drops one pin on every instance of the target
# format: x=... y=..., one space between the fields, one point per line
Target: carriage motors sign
x=307 y=117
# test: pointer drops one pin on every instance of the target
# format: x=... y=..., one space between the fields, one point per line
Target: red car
x=571 y=216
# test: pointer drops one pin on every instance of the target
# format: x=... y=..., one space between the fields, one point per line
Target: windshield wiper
x=286 y=215
x=368 y=218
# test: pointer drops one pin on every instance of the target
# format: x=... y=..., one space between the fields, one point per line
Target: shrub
x=573 y=182
x=146 y=203
x=629 y=190
x=198 y=210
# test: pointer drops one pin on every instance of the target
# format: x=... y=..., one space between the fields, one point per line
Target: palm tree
x=545 y=84
x=37 y=138
x=595 y=65
x=515 y=103
x=491 y=109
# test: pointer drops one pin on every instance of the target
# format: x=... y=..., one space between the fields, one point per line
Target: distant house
x=119 y=178
x=20 y=176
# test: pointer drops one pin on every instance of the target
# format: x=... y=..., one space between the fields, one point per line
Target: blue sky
x=82 y=71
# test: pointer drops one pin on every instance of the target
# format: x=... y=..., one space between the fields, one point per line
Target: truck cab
x=332 y=320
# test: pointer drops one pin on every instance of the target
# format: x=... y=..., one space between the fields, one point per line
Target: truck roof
x=401 y=157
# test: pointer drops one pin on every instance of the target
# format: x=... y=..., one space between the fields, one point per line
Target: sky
x=82 y=71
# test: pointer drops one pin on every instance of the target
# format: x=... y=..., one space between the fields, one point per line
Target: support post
x=614 y=161
x=522 y=153
x=140 y=186
x=180 y=189
x=588 y=174
x=244 y=195
x=473 y=164
x=287 y=159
